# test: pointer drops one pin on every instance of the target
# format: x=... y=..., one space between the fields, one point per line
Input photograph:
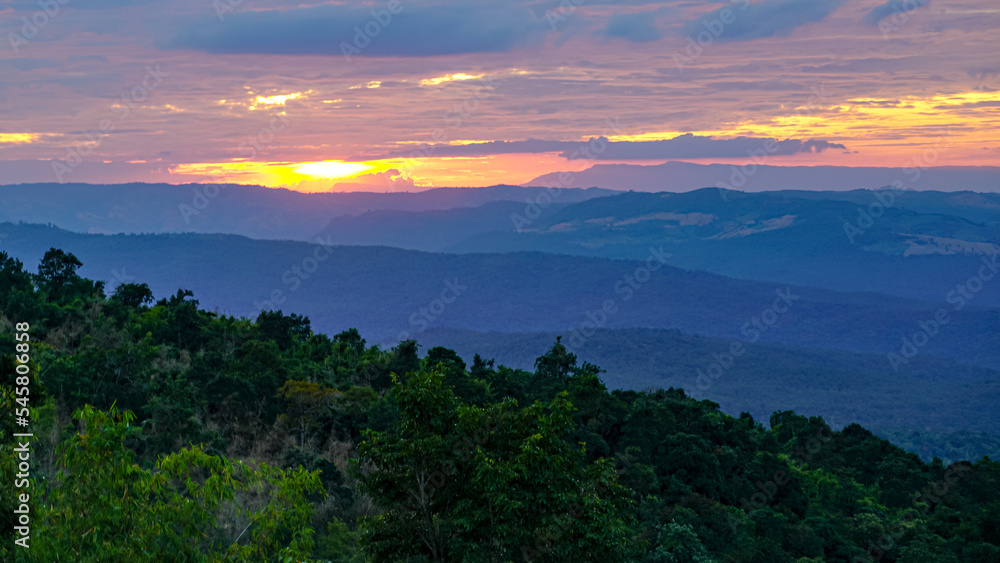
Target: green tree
x=104 y=507
x=557 y=363
x=451 y=365
x=678 y=543
x=494 y=483
x=308 y=407
x=58 y=281
x=57 y=271
x=283 y=330
x=352 y=339
x=133 y=295
x=17 y=291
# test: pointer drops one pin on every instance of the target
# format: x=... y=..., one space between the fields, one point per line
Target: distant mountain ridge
x=394 y=294
x=253 y=211
x=676 y=176
x=919 y=245
x=883 y=241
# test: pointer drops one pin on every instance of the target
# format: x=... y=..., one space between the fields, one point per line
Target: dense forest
x=164 y=432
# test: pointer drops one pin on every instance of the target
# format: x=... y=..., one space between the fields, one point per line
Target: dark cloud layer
x=769 y=18
x=693 y=146
x=34 y=6
x=684 y=146
x=891 y=7
x=637 y=27
x=324 y=30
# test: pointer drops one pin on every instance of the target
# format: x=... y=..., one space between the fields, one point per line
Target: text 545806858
x=22 y=476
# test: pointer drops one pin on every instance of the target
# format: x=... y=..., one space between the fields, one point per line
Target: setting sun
x=332 y=169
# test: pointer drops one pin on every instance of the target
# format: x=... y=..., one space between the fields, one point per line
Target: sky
x=406 y=95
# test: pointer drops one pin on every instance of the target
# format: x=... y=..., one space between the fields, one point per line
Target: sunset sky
x=311 y=94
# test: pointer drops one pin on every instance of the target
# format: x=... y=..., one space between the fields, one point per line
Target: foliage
x=495 y=483
x=104 y=507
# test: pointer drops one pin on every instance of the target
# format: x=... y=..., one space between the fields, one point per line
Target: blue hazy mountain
x=391 y=293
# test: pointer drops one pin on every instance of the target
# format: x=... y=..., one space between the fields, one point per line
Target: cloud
x=693 y=146
x=882 y=11
x=639 y=27
x=378 y=181
x=33 y=5
x=770 y=18
x=26 y=64
x=683 y=146
x=324 y=30
x=28 y=171
x=88 y=58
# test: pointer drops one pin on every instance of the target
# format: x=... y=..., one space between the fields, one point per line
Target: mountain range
x=675 y=176
x=876 y=307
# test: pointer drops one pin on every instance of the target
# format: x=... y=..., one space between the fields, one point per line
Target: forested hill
x=937 y=408
x=165 y=432
x=904 y=243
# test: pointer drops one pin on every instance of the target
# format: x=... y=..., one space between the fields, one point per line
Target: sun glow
x=872 y=125
x=368 y=85
x=256 y=101
x=277 y=174
x=332 y=169
x=450 y=78
x=277 y=100
x=19 y=138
